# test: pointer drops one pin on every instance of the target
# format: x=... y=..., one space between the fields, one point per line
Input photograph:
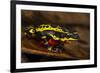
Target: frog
x=52 y=37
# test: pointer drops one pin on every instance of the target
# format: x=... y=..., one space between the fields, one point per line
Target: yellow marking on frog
x=61 y=39
x=43 y=37
x=65 y=39
x=44 y=27
x=54 y=37
x=46 y=43
x=49 y=48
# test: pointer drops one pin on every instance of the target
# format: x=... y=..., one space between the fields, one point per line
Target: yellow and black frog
x=52 y=38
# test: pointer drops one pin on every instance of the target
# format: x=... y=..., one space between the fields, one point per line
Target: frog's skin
x=47 y=32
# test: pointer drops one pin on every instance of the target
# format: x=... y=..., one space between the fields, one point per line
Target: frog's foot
x=50 y=48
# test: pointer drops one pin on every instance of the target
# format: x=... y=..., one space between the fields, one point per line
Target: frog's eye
x=31 y=31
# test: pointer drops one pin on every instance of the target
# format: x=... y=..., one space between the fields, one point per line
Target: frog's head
x=29 y=30
x=73 y=36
